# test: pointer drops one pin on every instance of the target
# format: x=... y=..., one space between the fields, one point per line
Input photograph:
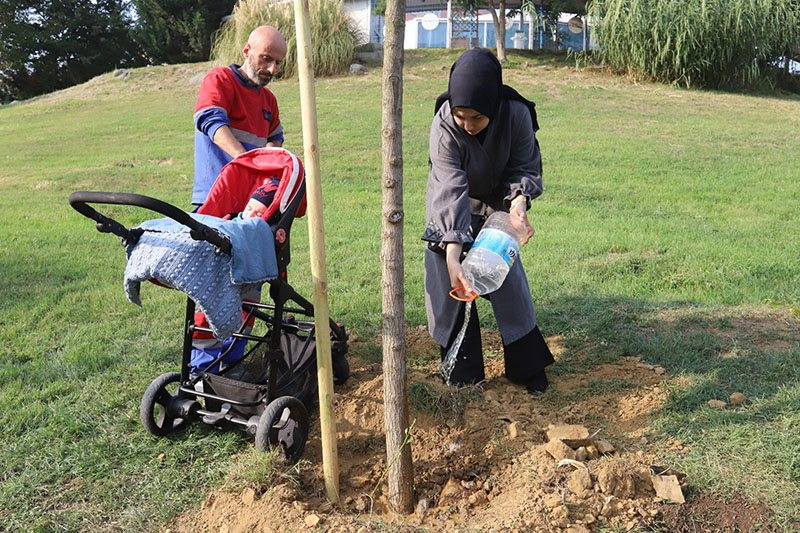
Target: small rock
x=514 y=430
x=573 y=436
x=716 y=404
x=197 y=78
x=300 y=506
x=603 y=446
x=659 y=370
x=611 y=508
x=592 y=452
x=358 y=69
x=422 y=506
x=361 y=504
x=161 y=457
x=617 y=480
x=357 y=482
x=284 y=492
x=579 y=482
x=559 y=450
x=469 y=485
x=668 y=488
x=589 y=519
x=552 y=500
x=451 y=493
x=312 y=520
x=577 y=528
x=581 y=454
x=737 y=398
x=478 y=498
x=487 y=486
x=248 y=496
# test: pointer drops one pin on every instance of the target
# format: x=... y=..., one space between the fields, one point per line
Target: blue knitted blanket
x=215 y=282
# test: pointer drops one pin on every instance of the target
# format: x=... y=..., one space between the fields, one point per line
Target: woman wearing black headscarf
x=484 y=158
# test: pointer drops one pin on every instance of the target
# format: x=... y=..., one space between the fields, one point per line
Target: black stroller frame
x=176 y=398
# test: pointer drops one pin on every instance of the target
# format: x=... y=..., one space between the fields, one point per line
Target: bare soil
x=482 y=465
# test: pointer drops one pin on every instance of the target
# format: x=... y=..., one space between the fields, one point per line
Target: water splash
x=446 y=368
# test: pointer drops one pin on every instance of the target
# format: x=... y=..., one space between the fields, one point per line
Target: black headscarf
x=476 y=81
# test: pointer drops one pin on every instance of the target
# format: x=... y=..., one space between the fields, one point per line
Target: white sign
x=430 y=21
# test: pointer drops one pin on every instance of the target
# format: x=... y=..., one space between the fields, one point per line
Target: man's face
x=262 y=60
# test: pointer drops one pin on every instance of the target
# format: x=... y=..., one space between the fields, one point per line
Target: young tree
x=176 y=31
x=46 y=46
x=395 y=402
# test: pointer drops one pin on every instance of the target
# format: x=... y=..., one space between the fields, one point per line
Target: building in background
x=438 y=24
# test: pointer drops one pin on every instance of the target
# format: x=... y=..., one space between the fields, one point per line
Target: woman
x=484 y=158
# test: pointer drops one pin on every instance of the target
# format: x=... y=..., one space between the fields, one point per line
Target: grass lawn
x=669 y=229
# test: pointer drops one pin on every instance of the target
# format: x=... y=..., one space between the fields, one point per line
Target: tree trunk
x=398 y=448
x=499 y=28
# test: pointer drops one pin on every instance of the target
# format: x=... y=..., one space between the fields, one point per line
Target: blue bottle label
x=498 y=242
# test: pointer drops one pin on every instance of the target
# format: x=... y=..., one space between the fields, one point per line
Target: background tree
x=179 y=31
x=50 y=45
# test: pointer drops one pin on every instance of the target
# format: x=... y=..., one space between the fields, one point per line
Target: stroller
x=267 y=391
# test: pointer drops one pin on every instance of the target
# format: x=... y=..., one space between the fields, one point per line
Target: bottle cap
x=463 y=295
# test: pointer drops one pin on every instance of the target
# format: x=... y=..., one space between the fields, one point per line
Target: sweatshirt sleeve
x=523 y=172
x=447 y=196
x=213 y=102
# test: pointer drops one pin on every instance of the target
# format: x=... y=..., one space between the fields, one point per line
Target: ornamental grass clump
x=334 y=35
x=707 y=43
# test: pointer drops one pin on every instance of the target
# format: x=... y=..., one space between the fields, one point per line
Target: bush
x=333 y=34
x=709 y=43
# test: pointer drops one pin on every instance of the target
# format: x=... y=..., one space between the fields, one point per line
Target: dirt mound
x=484 y=456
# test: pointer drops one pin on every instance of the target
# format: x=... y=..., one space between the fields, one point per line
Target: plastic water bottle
x=492 y=254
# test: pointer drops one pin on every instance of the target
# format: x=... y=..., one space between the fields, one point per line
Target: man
x=235 y=111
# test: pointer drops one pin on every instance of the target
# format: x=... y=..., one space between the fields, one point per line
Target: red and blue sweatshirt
x=228 y=99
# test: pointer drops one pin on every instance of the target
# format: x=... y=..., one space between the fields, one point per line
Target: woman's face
x=470 y=120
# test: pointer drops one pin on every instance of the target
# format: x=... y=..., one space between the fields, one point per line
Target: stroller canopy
x=241 y=177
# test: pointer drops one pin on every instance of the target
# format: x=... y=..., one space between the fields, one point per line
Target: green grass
x=668 y=229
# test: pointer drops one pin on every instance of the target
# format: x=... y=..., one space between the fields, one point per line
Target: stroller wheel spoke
x=284 y=424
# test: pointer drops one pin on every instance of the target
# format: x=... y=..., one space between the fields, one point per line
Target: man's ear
x=246 y=50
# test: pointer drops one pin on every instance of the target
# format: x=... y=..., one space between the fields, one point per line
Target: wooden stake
x=395 y=402
x=316 y=238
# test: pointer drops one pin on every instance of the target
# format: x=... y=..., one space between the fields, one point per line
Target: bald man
x=235 y=111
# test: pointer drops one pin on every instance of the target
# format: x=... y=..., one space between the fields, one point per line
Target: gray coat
x=468 y=181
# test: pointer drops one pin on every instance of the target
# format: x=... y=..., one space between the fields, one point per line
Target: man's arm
x=224 y=138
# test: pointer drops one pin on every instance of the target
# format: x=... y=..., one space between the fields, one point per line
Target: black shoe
x=538 y=383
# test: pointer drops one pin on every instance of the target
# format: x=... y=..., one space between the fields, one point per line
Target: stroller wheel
x=284 y=423
x=154 y=410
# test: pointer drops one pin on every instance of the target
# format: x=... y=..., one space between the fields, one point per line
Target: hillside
x=663 y=270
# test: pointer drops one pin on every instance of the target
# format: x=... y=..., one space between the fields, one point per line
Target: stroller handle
x=79 y=200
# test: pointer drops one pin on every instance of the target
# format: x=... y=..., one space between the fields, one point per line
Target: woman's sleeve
x=447 y=197
x=523 y=172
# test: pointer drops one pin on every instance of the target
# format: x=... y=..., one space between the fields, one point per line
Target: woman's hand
x=454 y=269
x=519 y=218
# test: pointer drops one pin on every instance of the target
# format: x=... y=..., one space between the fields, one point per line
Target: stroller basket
x=248 y=380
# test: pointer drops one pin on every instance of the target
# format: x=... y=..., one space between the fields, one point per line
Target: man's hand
x=519 y=218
